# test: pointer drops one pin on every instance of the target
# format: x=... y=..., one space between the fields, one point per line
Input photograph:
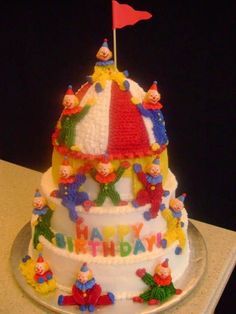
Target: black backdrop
x=188 y=47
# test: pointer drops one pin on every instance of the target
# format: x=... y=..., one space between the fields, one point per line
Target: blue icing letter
x=138 y=247
x=95 y=234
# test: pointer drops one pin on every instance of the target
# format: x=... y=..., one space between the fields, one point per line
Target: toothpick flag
x=124 y=14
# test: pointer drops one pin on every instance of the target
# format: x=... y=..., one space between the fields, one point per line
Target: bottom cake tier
x=114 y=274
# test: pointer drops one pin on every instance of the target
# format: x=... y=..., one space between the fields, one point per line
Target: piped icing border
x=63 y=150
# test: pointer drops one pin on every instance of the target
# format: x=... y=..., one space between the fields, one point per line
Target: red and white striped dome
x=112 y=126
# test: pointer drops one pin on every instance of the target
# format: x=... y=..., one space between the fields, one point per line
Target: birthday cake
x=108 y=201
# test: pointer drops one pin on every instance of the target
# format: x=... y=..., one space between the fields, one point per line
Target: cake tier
x=120 y=220
x=114 y=274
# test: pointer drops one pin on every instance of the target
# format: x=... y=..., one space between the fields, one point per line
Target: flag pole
x=114 y=47
x=114 y=33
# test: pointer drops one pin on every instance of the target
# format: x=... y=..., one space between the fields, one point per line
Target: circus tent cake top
x=110 y=115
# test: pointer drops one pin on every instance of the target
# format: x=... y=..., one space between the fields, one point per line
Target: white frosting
x=92 y=131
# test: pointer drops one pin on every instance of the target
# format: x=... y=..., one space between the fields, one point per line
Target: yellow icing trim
x=135 y=100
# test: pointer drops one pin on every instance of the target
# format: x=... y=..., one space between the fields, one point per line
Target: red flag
x=124 y=14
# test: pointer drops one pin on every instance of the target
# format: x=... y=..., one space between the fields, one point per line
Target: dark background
x=188 y=47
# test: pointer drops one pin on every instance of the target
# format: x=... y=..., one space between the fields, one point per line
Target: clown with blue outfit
x=86 y=293
x=151 y=108
x=68 y=190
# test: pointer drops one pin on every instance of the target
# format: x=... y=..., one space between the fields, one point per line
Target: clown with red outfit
x=86 y=292
x=161 y=286
x=152 y=192
x=105 y=175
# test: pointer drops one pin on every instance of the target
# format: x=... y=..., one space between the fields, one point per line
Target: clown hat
x=105 y=44
x=182 y=197
x=84 y=268
x=165 y=263
x=69 y=90
x=105 y=159
x=40 y=259
x=65 y=161
x=37 y=193
x=156 y=161
x=154 y=86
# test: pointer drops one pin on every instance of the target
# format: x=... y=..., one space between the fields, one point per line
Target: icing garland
x=65 y=151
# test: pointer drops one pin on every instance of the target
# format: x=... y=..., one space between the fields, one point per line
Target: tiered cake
x=110 y=194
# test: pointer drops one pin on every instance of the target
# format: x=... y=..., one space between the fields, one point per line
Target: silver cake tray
x=190 y=279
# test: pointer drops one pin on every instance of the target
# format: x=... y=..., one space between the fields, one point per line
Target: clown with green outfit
x=160 y=285
x=105 y=175
x=71 y=115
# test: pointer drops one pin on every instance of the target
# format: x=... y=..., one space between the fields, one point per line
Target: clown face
x=69 y=101
x=176 y=205
x=104 y=168
x=163 y=272
x=41 y=268
x=154 y=170
x=65 y=171
x=104 y=54
x=83 y=277
x=39 y=202
x=153 y=96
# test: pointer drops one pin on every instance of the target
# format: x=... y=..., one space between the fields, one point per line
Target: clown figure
x=42 y=271
x=38 y=274
x=160 y=285
x=86 y=293
x=41 y=217
x=173 y=217
x=105 y=70
x=71 y=115
x=151 y=108
x=106 y=176
x=69 y=184
x=152 y=190
x=39 y=203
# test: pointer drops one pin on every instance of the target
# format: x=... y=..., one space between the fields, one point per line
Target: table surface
x=17 y=186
